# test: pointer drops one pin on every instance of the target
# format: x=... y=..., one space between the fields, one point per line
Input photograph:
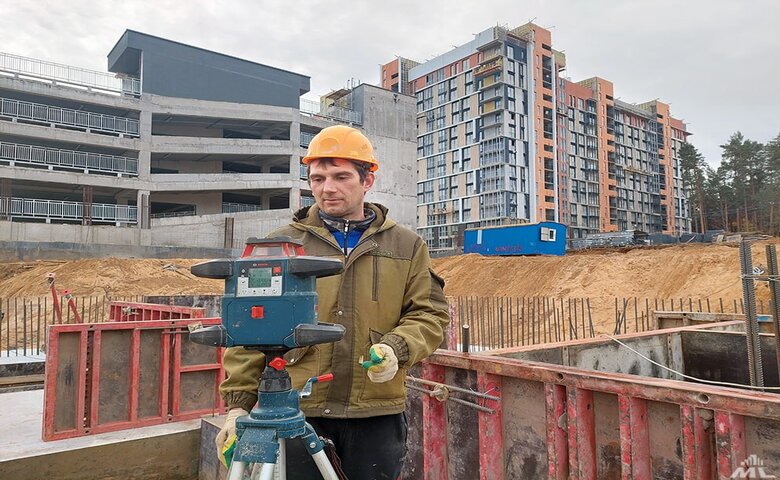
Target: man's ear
x=368 y=182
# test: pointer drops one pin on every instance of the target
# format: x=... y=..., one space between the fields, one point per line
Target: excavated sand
x=697 y=271
x=107 y=276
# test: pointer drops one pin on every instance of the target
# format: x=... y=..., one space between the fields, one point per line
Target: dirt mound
x=109 y=276
x=696 y=271
x=681 y=271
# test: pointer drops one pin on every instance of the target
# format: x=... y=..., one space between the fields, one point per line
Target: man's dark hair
x=362 y=168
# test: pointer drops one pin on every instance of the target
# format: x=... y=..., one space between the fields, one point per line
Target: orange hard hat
x=341 y=141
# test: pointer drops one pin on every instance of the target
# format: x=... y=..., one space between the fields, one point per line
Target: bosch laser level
x=270 y=305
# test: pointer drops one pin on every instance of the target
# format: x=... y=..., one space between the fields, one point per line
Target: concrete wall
x=26 y=251
x=209 y=230
x=389 y=121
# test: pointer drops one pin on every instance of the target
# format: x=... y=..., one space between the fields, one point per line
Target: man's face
x=337 y=188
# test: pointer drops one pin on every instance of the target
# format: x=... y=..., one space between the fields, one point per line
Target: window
x=547 y=234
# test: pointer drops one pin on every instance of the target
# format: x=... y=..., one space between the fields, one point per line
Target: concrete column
x=143 y=203
x=145 y=153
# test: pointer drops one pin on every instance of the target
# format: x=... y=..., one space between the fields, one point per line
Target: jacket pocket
x=391 y=390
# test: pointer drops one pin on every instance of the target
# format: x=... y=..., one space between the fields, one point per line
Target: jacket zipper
x=346 y=234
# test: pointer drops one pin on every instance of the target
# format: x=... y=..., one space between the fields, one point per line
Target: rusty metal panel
x=525 y=444
x=664 y=431
x=463 y=424
x=150 y=375
x=607 y=435
x=112 y=376
x=113 y=392
x=67 y=376
x=139 y=312
x=762 y=438
x=722 y=356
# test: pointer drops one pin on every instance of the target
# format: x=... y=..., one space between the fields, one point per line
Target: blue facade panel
x=545 y=238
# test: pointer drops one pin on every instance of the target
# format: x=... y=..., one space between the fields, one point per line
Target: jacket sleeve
x=424 y=314
x=243 y=368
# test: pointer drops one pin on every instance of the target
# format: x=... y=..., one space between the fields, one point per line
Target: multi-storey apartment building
x=620 y=168
x=485 y=141
x=503 y=138
x=176 y=146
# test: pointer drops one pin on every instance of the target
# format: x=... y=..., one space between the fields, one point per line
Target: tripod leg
x=326 y=469
x=236 y=471
x=315 y=447
x=281 y=460
x=267 y=471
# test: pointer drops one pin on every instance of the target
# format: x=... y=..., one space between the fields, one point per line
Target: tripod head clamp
x=270 y=299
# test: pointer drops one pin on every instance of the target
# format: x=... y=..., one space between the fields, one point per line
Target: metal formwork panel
x=114 y=376
x=137 y=312
x=564 y=422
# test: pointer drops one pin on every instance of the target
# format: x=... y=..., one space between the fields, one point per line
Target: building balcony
x=36 y=113
x=58 y=210
x=313 y=108
x=489 y=66
x=57 y=74
x=54 y=158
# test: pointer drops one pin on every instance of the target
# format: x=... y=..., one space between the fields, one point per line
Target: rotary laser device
x=270 y=305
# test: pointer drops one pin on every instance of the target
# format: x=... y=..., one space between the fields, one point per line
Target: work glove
x=225 y=436
x=387 y=365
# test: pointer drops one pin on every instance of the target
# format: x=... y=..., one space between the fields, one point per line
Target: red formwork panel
x=137 y=312
x=560 y=422
x=102 y=377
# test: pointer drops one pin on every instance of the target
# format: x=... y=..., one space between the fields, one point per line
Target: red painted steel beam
x=634 y=439
x=557 y=440
x=434 y=428
x=582 y=434
x=698 y=460
x=730 y=441
x=491 y=430
x=757 y=404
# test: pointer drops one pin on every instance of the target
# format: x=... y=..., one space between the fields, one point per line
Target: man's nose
x=329 y=185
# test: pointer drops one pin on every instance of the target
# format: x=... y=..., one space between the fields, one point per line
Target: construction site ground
x=692 y=271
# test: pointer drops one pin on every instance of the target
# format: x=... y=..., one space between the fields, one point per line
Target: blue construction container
x=544 y=238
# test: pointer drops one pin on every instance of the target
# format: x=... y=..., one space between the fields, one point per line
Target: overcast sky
x=717 y=62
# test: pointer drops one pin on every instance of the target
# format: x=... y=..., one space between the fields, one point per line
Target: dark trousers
x=369 y=448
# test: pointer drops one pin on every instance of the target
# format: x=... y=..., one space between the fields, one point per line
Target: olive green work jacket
x=387 y=293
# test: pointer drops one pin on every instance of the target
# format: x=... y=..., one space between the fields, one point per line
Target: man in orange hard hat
x=387 y=297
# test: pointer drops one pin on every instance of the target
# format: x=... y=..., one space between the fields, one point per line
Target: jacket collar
x=309 y=218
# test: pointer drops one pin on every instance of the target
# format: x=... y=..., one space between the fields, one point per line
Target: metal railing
x=54 y=157
x=89 y=121
x=70 y=76
x=183 y=213
x=306 y=138
x=228 y=207
x=65 y=210
x=337 y=113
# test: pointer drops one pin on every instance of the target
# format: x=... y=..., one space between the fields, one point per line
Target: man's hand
x=228 y=431
x=386 y=369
